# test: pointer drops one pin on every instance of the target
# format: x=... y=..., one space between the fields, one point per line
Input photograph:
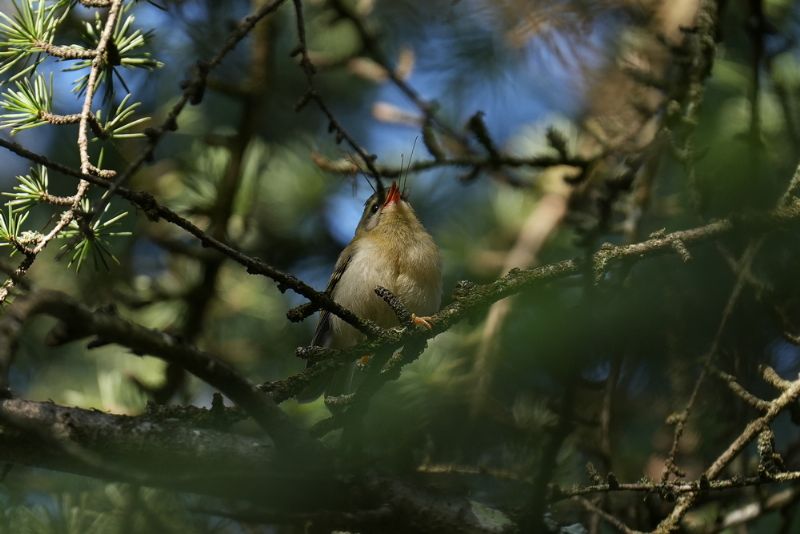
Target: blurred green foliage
x=650 y=321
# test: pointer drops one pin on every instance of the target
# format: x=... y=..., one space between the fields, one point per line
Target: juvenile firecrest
x=391 y=249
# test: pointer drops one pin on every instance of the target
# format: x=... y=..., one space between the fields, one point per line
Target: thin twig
x=673 y=487
x=193 y=90
x=753 y=429
x=98 y=64
x=469 y=297
x=313 y=95
x=65 y=52
x=465 y=161
x=608 y=518
x=680 y=419
x=156 y=211
x=741 y=392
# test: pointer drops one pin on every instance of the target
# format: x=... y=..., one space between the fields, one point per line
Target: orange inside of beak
x=393 y=195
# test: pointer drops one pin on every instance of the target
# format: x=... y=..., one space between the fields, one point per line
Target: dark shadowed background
x=583 y=369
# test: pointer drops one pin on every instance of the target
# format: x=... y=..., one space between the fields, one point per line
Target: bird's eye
x=374 y=208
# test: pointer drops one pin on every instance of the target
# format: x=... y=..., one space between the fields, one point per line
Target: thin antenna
x=366 y=179
x=408 y=168
x=400 y=180
x=360 y=171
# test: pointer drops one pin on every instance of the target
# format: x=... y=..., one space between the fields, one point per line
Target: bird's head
x=387 y=212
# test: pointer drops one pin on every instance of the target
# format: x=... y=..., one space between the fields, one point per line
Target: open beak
x=393 y=195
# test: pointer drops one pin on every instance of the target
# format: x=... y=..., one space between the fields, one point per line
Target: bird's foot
x=424 y=322
x=363 y=361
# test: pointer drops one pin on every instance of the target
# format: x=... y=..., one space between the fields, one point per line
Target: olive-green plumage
x=391 y=249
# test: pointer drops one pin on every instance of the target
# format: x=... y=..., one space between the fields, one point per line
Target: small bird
x=391 y=249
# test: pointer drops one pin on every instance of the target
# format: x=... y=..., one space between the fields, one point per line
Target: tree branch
x=149 y=449
x=753 y=429
x=86 y=117
x=82 y=322
x=193 y=91
x=469 y=297
x=156 y=211
x=65 y=52
x=312 y=95
x=175 y=453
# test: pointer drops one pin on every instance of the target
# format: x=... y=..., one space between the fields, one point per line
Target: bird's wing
x=322 y=334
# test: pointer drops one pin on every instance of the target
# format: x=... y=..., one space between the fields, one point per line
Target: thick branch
x=82 y=322
x=151 y=449
x=174 y=452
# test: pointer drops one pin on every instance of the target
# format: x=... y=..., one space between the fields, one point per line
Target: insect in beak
x=393 y=195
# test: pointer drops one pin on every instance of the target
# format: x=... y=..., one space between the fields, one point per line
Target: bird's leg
x=424 y=322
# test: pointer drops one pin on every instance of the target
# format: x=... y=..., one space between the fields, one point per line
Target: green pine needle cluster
x=120 y=122
x=21 y=34
x=92 y=241
x=125 y=42
x=28 y=35
x=30 y=189
x=25 y=105
x=11 y=233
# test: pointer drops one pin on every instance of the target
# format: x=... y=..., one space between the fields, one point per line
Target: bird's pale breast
x=411 y=271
